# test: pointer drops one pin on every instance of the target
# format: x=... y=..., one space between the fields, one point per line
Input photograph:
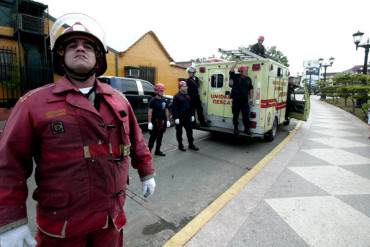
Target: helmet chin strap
x=79 y=76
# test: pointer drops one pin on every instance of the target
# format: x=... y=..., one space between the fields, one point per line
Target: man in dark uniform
x=241 y=92
x=158 y=118
x=258 y=48
x=193 y=84
x=183 y=115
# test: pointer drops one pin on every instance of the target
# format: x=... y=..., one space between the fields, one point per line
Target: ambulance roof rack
x=240 y=54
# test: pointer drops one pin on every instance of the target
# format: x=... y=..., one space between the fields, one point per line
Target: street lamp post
x=357 y=40
x=325 y=65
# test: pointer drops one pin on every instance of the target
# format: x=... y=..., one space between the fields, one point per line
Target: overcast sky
x=302 y=30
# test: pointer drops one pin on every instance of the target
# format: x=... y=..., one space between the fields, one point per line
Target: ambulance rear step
x=226 y=130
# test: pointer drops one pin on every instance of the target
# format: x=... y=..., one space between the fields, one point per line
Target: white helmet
x=191 y=69
x=76 y=25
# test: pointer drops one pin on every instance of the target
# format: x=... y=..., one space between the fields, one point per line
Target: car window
x=104 y=79
x=124 y=85
x=129 y=86
x=148 y=88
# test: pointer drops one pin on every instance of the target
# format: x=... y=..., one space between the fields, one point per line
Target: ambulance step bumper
x=226 y=131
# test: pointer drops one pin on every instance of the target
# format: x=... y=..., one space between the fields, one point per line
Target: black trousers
x=189 y=131
x=241 y=105
x=156 y=134
x=197 y=107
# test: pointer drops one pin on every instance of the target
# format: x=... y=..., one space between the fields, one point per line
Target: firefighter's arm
x=150 y=112
x=251 y=93
x=232 y=69
x=15 y=166
x=150 y=124
x=141 y=158
x=175 y=114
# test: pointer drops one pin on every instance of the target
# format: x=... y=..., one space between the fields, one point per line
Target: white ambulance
x=269 y=101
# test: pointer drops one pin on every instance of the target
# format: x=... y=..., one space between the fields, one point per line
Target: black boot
x=159 y=153
x=182 y=148
x=236 y=130
x=247 y=131
x=193 y=147
x=204 y=124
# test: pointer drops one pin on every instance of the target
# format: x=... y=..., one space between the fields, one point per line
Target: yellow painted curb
x=187 y=232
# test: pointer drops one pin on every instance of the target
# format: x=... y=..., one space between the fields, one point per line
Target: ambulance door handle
x=227 y=92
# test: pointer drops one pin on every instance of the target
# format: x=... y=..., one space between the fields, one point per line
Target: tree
x=277 y=56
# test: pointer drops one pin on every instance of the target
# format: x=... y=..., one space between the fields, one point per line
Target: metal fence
x=16 y=80
x=9 y=77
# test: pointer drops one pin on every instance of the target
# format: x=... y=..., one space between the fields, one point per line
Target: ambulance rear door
x=218 y=97
x=299 y=104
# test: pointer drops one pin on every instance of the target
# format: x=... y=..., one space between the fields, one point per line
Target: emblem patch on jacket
x=57 y=127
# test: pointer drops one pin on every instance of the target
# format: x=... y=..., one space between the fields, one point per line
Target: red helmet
x=159 y=87
x=77 y=26
x=182 y=84
x=261 y=38
x=243 y=68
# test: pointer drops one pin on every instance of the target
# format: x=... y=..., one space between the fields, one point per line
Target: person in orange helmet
x=158 y=118
x=258 y=48
x=241 y=92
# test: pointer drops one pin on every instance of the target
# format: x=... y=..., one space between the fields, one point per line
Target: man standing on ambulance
x=258 y=48
x=81 y=134
x=241 y=92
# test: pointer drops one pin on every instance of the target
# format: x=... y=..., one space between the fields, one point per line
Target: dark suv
x=138 y=92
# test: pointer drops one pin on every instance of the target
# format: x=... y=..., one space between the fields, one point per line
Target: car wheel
x=270 y=135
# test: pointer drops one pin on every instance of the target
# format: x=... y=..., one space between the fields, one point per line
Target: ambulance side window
x=280 y=72
x=217 y=80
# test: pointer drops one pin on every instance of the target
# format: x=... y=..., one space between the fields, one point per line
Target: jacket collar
x=64 y=85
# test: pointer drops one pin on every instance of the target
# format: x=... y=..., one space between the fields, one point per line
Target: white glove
x=17 y=236
x=177 y=121
x=148 y=187
x=150 y=126
x=168 y=124
x=192 y=118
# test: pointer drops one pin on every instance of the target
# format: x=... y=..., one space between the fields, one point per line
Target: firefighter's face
x=80 y=56
x=184 y=89
x=191 y=74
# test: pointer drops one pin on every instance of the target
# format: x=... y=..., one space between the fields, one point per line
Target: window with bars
x=142 y=72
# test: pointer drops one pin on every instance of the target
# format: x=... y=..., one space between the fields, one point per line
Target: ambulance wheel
x=270 y=136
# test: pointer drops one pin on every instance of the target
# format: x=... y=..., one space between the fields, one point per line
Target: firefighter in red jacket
x=81 y=134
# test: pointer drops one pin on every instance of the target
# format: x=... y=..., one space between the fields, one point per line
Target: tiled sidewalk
x=316 y=192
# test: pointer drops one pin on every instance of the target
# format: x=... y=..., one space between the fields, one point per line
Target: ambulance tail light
x=256 y=67
x=253 y=115
x=202 y=69
x=258 y=94
x=253 y=124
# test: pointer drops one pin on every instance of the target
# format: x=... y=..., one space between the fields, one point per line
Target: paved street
x=316 y=192
x=186 y=183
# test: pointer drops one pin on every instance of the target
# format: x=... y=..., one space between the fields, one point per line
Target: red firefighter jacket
x=82 y=159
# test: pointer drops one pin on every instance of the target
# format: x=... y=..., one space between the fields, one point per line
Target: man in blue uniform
x=182 y=112
x=158 y=118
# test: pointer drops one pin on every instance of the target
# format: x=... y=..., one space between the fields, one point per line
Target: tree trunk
x=353 y=104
